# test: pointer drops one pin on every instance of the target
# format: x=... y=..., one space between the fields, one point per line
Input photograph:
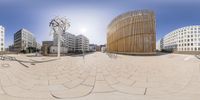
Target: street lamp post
x=59 y=45
x=58 y=26
x=83 y=50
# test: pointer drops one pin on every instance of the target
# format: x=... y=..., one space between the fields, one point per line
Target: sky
x=91 y=17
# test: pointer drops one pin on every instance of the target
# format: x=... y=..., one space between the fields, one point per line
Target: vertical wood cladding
x=132 y=33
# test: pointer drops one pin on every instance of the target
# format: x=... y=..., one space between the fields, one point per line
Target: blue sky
x=92 y=16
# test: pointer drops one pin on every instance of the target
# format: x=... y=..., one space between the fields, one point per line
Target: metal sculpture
x=58 y=26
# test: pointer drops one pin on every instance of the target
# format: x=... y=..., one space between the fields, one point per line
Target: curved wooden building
x=132 y=33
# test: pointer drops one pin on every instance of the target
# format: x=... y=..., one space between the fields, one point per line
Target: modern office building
x=92 y=47
x=46 y=47
x=48 y=43
x=2 y=38
x=102 y=48
x=38 y=46
x=132 y=33
x=95 y=47
x=71 y=43
x=24 y=41
x=159 y=45
x=82 y=43
x=54 y=50
x=11 y=48
x=183 y=40
x=67 y=40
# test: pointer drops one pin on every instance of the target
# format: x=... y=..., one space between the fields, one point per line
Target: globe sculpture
x=58 y=26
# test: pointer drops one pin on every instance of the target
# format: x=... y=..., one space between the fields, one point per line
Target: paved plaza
x=101 y=76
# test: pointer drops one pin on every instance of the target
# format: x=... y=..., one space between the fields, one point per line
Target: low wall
x=188 y=52
x=135 y=53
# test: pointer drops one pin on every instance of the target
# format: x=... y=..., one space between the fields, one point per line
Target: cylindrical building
x=132 y=33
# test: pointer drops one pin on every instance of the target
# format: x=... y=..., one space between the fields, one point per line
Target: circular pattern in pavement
x=75 y=77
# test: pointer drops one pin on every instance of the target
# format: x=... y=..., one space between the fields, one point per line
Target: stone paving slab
x=164 y=77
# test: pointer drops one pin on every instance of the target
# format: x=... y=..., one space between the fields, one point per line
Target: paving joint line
x=145 y=91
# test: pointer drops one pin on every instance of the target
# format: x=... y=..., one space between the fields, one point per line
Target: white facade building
x=159 y=45
x=54 y=50
x=158 y=48
x=2 y=38
x=67 y=40
x=183 y=39
x=103 y=49
x=38 y=46
x=73 y=43
x=92 y=47
x=82 y=43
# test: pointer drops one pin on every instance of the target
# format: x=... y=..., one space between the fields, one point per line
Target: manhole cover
x=5 y=65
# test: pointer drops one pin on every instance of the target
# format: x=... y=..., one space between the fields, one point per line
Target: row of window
x=189 y=44
x=189 y=32
x=189 y=49
x=180 y=32
x=188 y=40
x=186 y=29
x=189 y=36
x=2 y=32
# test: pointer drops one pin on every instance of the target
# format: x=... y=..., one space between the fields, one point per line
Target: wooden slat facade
x=132 y=33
